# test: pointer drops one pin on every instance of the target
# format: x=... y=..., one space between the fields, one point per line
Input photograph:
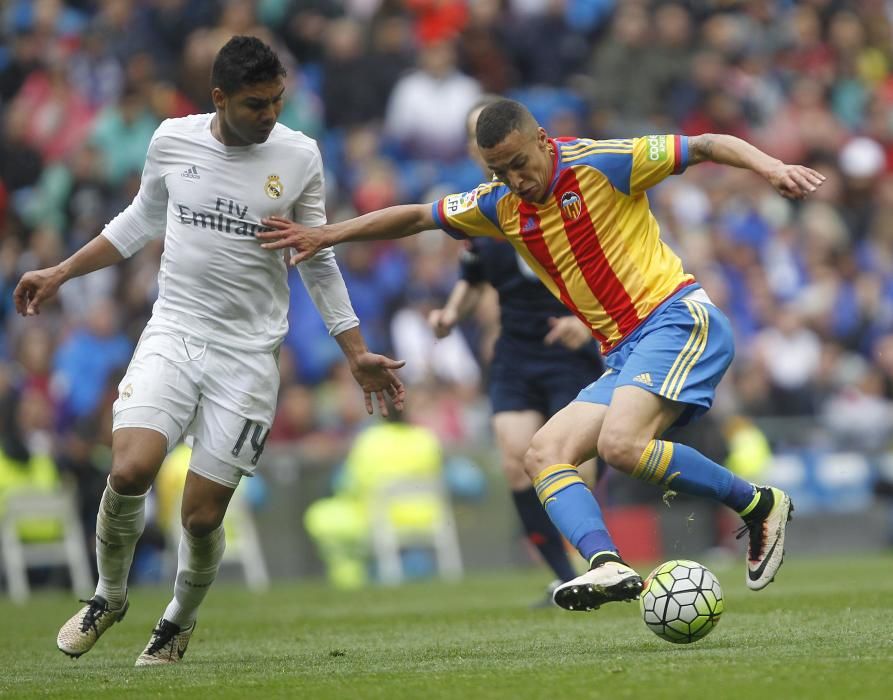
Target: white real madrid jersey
x=215 y=282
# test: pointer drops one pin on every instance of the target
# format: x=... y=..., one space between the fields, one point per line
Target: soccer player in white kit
x=206 y=364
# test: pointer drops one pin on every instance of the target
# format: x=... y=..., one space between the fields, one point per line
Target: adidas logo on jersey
x=191 y=173
x=644 y=378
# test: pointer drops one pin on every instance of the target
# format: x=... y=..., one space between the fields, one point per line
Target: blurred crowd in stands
x=384 y=86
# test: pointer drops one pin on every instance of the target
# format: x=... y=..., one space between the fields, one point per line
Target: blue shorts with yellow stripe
x=680 y=352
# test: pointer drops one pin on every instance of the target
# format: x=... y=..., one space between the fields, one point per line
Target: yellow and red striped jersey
x=594 y=243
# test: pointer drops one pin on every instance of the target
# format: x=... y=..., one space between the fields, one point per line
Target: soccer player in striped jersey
x=542 y=359
x=577 y=212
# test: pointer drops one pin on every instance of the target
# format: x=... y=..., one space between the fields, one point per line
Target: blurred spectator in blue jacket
x=86 y=359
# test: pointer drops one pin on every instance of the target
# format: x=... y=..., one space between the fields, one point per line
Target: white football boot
x=80 y=633
x=604 y=583
x=167 y=645
x=765 y=548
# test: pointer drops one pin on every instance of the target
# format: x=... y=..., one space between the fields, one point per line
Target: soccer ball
x=681 y=601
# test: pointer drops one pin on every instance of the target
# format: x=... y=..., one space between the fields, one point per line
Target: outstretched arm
x=129 y=231
x=38 y=286
x=393 y=222
x=791 y=181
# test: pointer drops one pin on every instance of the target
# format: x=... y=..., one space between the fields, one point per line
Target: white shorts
x=224 y=399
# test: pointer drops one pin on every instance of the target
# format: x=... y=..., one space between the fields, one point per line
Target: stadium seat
x=413 y=513
x=819 y=481
x=68 y=549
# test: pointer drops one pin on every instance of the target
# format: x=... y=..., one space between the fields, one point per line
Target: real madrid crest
x=571 y=205
x=273 y=187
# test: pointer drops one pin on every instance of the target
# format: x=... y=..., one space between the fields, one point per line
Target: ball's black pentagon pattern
x=681 y=601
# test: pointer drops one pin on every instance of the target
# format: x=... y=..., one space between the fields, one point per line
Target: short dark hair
x=500 y=119
x=485 y=100
x=244 y=60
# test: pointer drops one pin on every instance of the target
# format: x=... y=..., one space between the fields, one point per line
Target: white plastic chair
x=19 y=555
x=441 y=536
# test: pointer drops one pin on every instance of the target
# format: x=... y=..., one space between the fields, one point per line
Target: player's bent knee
x=202 y=522
x=131 y=478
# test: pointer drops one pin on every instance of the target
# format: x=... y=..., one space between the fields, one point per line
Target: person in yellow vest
x=749 y=449
x=24 y=468
x=384 y=455
x=169 y=487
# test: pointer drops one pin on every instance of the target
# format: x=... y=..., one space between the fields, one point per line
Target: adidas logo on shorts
x=644 y=378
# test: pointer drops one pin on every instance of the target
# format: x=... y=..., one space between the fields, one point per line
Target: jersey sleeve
x=325 y=285
x=145 y=217
x=310 y=207
x=654 y=158
x=470 y=214
x=321 y=274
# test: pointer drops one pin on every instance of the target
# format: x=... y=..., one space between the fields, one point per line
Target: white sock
x=198 y=559
x=119 y=525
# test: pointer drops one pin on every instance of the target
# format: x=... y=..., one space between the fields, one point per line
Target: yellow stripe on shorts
x=691 y=352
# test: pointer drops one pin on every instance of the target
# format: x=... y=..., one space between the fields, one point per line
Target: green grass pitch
x=824 y=629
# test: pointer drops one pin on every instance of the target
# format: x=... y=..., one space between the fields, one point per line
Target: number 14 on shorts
x=258 y=440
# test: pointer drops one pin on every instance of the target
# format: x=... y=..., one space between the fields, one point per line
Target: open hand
x=375 y=375
x=34 y=288
x=305 y=240
x=795 y=181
